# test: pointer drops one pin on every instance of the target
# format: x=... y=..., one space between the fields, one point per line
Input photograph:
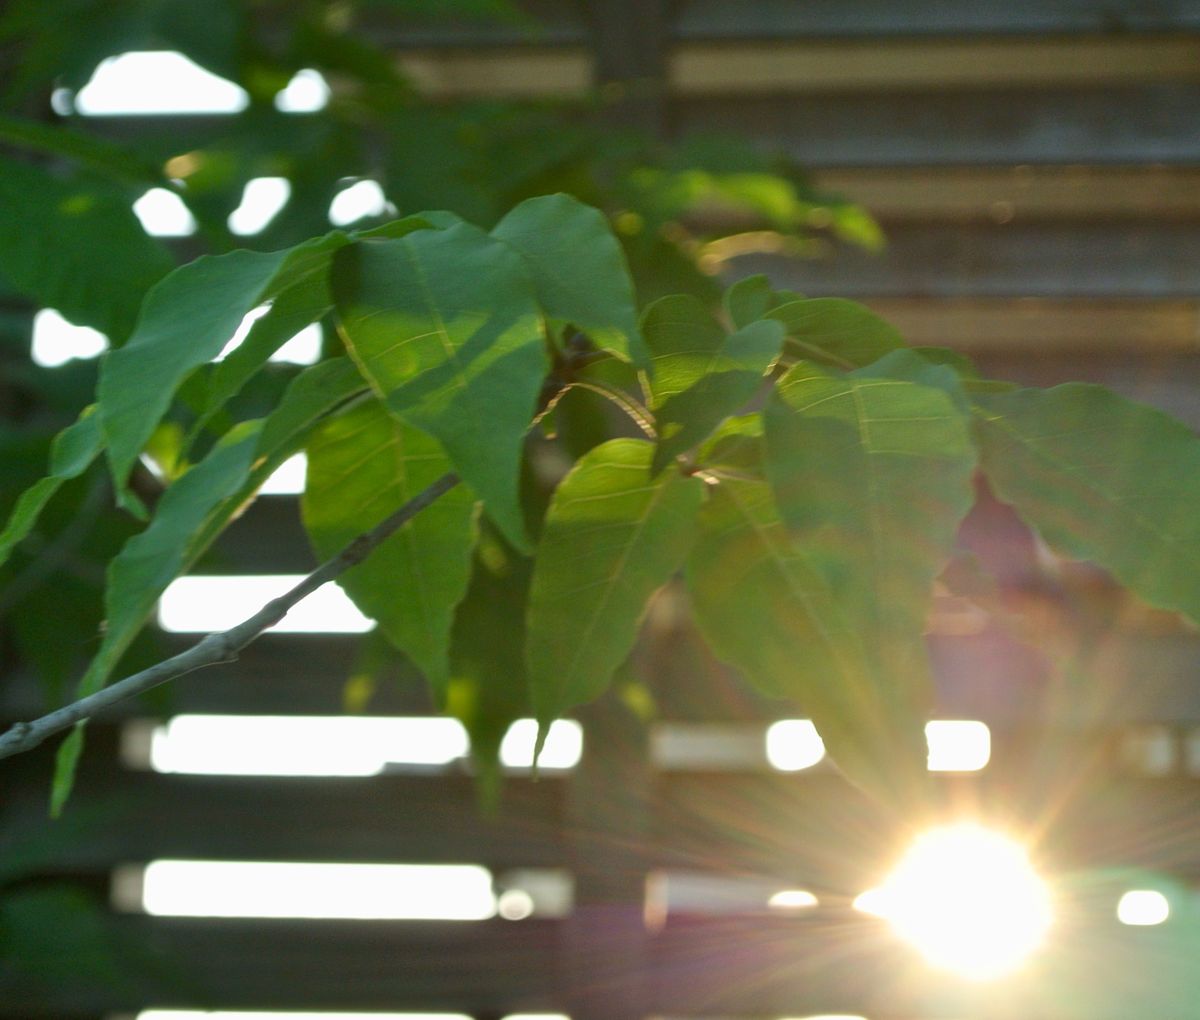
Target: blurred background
x=296 y=833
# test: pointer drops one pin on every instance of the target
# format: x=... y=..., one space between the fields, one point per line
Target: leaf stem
x=222 y=647
x=640 y=416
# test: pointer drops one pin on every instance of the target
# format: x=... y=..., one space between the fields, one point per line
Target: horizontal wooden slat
x=513 y=74
x=1036 y=327
x=1075 y=260
x=1007 y=126
x=1004 y=194
x=747 y=966
x=729 y=69
x=488 y=967
x=751 y=68
x=708 y=19
x=810 y=828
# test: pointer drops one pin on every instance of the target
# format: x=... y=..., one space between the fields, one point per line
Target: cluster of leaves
x=67 y=184
x=805 y=469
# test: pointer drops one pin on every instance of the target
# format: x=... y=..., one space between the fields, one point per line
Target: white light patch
x=562 y=750
x=967 y=899
x=239 y=745
x=536 y=1016
x=56 y=341
x=1143 y=907
x=302 y=349
x=307 y=92
x=163 y=214
x=794 y=744
x=202 y=604
x=958 y=745
x=366 y=198
x=287 y=479
x=433 y=892
x=157 y=82
x=262 y=198
x=792 y=899
x=227 y=1014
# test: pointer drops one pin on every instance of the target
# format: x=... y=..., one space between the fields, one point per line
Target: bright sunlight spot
x=792 y=899
x=56 y=341
x=287 y=479
x=163 y=214
x=426 y=892
x=302 y=349
x=202 y=604
x=307 y=92
x=159 y=82
x=1143 y=907
x=794 y=744
x=968 y=899
x=562 y=750
x=958 y=745
x=226 y=1014
x=262 y=198
x=366 y=198
x=241 y=745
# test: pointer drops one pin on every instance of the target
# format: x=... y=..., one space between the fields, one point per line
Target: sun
x=968 y=899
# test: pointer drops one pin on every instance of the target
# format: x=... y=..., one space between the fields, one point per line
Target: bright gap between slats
x=955 y=745
x=205 y=603
x=152 y=82
x=415 y=892
x=226 y=1014
x=330 y=745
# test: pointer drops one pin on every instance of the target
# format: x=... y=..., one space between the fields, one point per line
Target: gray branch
x=223 y=647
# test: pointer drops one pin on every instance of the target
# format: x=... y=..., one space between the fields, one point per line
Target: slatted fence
x=1036 y=167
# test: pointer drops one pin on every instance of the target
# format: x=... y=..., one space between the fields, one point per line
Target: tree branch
x=222 y=647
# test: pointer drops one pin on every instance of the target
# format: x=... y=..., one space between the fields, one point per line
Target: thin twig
x=223 y=647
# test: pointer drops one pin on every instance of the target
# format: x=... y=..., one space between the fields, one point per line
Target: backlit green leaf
x=186 y=321
x=749 y=300
x=764 y=607
x=72 y=453
x=872 y=476
x=362 y=466
x=74 y=244
x=445 y=326
x=701 y=373
x=613 y=536
x=578 y=269
x=837 y=331
x=1101 y=478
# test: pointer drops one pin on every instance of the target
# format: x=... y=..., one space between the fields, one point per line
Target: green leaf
x=488 y=688
x=837 y=331
x=872 y=475
x=186 y=321
x=293 y=310
x=1101 y=478
x=749 y=300
x=765 y=608
x=191 y=514
x=445 y=326
x=99 y=154
x=74 y=244
x=578 y=270
x=362 y=466
x=613 y=536
x=701 y=373
x=150 y=561
x=72 y=453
